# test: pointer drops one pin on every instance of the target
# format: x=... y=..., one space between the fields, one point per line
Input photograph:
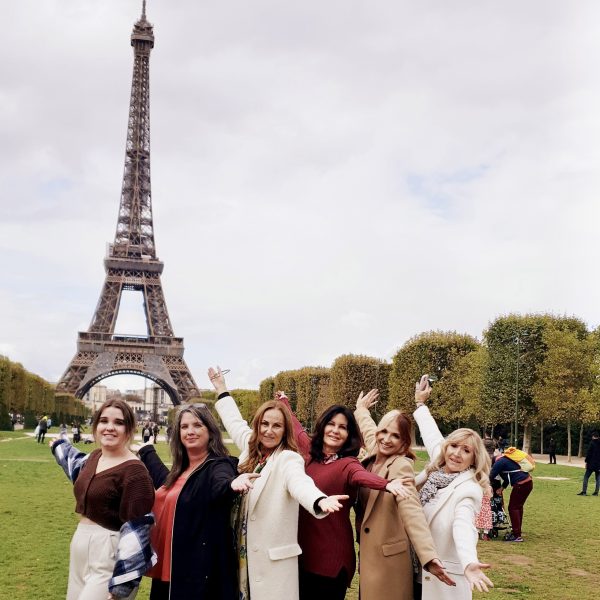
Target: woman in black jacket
x=193 y=536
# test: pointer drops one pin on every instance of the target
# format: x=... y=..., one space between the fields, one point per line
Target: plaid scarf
x=436 y=480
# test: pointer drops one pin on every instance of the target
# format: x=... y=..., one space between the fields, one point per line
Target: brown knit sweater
x=114 y=496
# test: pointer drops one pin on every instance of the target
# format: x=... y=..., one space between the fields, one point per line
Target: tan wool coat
x=386 y=526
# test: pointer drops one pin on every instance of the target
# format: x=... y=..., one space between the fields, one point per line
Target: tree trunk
x=492 y=432
x=580 y=451
x=569 y=440
x=542 y=437
x=526 y=437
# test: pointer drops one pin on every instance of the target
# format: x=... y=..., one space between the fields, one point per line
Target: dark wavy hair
x=128 y=416
x=179 y=454
x=354 y=441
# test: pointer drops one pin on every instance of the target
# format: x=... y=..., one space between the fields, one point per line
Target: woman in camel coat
x=387 y=526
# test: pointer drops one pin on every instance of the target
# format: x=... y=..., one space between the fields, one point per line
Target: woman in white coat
x=268 y=517
x=451 y=489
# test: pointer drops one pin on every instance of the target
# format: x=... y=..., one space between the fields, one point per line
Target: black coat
x=592 y=458
x=203 y=559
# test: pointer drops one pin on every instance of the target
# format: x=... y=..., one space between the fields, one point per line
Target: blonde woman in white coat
x=451 y=489
x=268 y=528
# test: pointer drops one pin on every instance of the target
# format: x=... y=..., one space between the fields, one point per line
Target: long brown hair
x=404 y=427
x=179 y=454
x=288 y=441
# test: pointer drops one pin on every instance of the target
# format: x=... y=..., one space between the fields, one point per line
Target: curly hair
x=354 y=441
x=255 y=452
x=481 y=459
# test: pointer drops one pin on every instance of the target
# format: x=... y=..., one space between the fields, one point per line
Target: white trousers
x=91 y=563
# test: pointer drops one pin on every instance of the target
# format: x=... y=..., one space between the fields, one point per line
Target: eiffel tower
x=131 y=264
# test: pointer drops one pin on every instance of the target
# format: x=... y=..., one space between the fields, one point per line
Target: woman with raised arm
x=268 y=516
x=331 y=460
x=193 y=536
x=110 y=550
x=451 y=489
x=388 y=526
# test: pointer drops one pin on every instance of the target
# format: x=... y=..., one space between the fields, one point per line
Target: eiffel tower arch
x=131 y=264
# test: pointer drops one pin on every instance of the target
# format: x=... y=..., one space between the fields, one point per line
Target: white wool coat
x=451 y=518
x=272 y=537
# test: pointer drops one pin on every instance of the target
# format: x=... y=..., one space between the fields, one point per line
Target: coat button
x=253 y=518
x=427 y=578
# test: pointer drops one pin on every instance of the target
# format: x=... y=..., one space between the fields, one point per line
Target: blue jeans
x=588 y=473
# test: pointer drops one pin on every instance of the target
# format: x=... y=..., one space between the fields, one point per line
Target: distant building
x=96 y=396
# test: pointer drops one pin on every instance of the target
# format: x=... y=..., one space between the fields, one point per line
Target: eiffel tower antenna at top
x=144 y=10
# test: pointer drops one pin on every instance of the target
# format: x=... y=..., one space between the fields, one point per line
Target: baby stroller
x=499 y=516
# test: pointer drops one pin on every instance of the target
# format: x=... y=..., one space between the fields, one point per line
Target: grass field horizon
x=558 y=561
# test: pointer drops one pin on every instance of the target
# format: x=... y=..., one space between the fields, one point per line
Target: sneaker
x=595 y=494
x=515 y=539
x=582 y=494
x=509 y=537
x=486 y=538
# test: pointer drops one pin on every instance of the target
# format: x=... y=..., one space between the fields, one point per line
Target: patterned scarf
x=436 y=480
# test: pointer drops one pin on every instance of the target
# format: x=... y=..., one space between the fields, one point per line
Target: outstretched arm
x=302 y=437
x=69 y=458
x=432 y=436
x=237 y=427
x=365 y=421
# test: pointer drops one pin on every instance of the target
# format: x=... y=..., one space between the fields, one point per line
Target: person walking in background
x=146 y=432
x=551 y=452
x=42 y=429
x=490 y=445
x=155 y=432
x=267 y=524
x=193 y=536
x=451 y=489
x=501 y=444
x=110 y=549
x=592 y=464
x=512 y=474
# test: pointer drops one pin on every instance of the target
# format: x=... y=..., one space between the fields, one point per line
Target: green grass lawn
x=558 y=561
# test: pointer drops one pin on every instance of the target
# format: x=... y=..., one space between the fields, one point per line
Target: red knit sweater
x=328 y=544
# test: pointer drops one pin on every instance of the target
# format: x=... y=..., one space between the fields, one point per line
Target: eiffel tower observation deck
x=131 y=264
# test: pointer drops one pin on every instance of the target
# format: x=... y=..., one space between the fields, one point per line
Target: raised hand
x=436 y=568
x=244 y=483
x=332 y=504
x=397 y=488
x=367 y=400
x=477 y=578
x=280 y=395
x=422 y=390
x=217 y=379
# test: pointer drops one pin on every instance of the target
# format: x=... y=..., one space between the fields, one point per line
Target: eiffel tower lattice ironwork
x=131 y=264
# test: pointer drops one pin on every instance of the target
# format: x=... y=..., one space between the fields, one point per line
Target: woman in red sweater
x=328 y=561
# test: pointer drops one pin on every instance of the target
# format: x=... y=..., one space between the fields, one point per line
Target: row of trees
x=28 y=395
x=528 y=371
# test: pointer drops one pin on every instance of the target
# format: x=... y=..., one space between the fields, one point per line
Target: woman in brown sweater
x=112 y=487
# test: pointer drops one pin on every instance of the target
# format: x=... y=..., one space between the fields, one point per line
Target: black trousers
x=552 y=456
x=317 y=587
x=160 y=589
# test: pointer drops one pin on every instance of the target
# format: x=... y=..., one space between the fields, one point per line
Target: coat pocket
x=394 y=548
x=282 y=552
x=453 y=567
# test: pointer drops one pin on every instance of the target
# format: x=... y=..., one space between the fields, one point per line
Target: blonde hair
x=288 y=441
x=481 y=459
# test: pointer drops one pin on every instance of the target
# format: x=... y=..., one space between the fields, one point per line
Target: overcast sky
x=327 y=176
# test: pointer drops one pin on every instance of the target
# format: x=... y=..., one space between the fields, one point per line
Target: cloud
x=326 y=178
